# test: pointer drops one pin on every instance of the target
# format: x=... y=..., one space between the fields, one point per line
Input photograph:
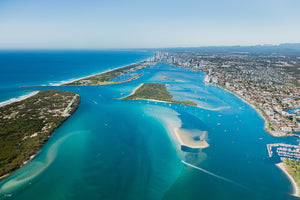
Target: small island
x=26 y=125
x=106 y=77
x=155 y=91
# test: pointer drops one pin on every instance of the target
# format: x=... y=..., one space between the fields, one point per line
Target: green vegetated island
x=27 y=124
x=155 y=91
x=106 y=77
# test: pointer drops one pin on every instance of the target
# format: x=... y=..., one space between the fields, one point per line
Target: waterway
x=117 y=149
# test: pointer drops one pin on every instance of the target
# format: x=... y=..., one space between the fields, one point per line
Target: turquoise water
x=114 y=149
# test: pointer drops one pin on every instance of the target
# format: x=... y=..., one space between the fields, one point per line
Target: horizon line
x=143 y=48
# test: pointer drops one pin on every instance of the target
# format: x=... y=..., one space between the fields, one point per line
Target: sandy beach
x=5 y=175
x=155 y=100
x=296 y=189
x=77 y=79
x=136 y=89
x=12 y=100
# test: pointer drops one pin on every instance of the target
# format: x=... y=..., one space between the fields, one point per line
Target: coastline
x=160 y=101
x=23 y=97
x=244 y=100
x=267 y=124
x=254 y=107
x=154 y=100
x=281 y=166
x=295 y=187
x=135 y=89
x=49 y=133
x=4 y=176
x=62 y=83
x=33 y=93
x=24 y=163
x=154 y=92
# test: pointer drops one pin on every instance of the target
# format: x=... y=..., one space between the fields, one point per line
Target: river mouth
x=129 y=149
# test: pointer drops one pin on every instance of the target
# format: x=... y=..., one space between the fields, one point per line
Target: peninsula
x=106 y=78
x=155 y=91
x=26 y=125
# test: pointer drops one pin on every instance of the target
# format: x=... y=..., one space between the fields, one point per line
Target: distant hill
x=287 y=49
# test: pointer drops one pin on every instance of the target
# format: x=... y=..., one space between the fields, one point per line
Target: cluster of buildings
x=260 y=80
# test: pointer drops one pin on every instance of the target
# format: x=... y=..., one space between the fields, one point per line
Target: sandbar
x=186 y=138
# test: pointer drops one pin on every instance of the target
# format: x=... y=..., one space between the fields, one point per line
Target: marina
x=284 y=151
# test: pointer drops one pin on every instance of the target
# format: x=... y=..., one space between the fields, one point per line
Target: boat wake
x=215 y=175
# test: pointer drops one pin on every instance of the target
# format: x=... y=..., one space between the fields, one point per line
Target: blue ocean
x=32 y=68
x=120 y=149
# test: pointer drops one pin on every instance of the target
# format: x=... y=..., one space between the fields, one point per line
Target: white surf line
x=215 y=175
x=17 y=99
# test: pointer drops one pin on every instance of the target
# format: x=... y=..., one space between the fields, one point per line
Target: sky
x=100 y=24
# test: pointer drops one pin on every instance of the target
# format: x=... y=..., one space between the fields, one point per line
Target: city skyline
x=94 y=24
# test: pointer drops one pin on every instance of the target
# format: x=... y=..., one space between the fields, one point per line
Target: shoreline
x=62 y=83
x=135 y=89
x=32 y=156
x=154 y=100
x=281 y=166
x=182 y=143
x=165 y=96
x=254 y=107
x=23 y=164
x=294 y=184
x=20 y=98
x=4 y=176
x=33 y=93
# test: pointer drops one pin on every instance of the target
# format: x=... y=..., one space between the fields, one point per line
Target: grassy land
x=105 y=78
x=26 y=125
x=293 y=168
x=155 y=91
